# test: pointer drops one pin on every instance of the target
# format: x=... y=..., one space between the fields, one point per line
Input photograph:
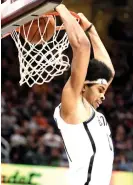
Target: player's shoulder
x=100 y=114
x=57 y=111
x=57 y=108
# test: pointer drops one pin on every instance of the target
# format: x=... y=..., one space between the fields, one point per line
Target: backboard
x=15 y=13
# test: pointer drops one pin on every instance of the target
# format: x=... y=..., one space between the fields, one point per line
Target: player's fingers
x=80 y=14
x=81 y=20
x=83 y=17
x=84 y=23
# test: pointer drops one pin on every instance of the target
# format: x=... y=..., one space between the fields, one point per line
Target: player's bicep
x=79 y=68
x=69 y=98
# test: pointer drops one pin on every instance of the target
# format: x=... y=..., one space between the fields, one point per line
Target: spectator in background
x=17 y=138
x=41 y=120
x=129 y=149
x=55 y=157
x=119 y=139
x=9 y=121
x=32 y=139
x=121 y=163
x=40 y=157
x=51 y=139
x=17 y=154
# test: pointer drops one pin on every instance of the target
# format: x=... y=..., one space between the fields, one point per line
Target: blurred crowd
x=27 y=122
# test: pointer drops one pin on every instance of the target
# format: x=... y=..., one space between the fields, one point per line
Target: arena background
x=32 y=151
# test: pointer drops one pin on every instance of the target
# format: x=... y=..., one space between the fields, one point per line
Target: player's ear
x=83 y=89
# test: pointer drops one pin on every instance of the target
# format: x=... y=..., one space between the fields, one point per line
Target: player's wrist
x=89 y=28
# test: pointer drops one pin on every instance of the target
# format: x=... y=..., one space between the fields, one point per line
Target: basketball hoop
x=41 y=61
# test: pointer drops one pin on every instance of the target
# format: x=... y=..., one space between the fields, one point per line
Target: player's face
x=95 y=94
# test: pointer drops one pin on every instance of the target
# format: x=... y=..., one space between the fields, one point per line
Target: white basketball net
x=42 y=61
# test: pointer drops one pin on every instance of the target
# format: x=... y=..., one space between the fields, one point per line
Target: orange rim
x=47 y=14
x=57 y=14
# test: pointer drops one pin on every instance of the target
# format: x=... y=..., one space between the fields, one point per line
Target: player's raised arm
x=81 y=51
x=100 y=52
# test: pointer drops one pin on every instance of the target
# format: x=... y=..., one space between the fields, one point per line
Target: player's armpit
x=79 y=66
x=69 y=102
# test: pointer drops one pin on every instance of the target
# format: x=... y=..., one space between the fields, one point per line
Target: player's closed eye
x=100 y=90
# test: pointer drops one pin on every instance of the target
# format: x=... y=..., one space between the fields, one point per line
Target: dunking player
x=85 y=132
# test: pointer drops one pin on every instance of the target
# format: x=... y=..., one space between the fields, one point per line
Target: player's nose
x=102 y=97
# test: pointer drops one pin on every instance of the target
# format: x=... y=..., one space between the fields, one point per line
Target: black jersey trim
x=92 y=157
x=91 y=118
x=65 y=148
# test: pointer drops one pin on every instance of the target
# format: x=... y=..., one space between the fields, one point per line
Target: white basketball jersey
x=89 y=149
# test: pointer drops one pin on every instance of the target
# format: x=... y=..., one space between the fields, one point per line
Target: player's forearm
x=100 y=52
x=81 y=48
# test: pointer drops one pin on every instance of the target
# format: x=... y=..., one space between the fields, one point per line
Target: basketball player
x=85 y=132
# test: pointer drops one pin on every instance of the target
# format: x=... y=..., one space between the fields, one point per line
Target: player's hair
x=98 y=69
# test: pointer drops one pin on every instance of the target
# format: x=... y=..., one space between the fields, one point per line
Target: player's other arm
x=81 y=51
x=100 y=52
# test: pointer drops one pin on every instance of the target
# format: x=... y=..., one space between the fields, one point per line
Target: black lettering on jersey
x=102 y=121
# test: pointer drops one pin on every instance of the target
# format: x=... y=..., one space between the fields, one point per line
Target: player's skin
x=76 y=95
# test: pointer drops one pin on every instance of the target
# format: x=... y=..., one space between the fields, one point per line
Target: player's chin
x=95 y=105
